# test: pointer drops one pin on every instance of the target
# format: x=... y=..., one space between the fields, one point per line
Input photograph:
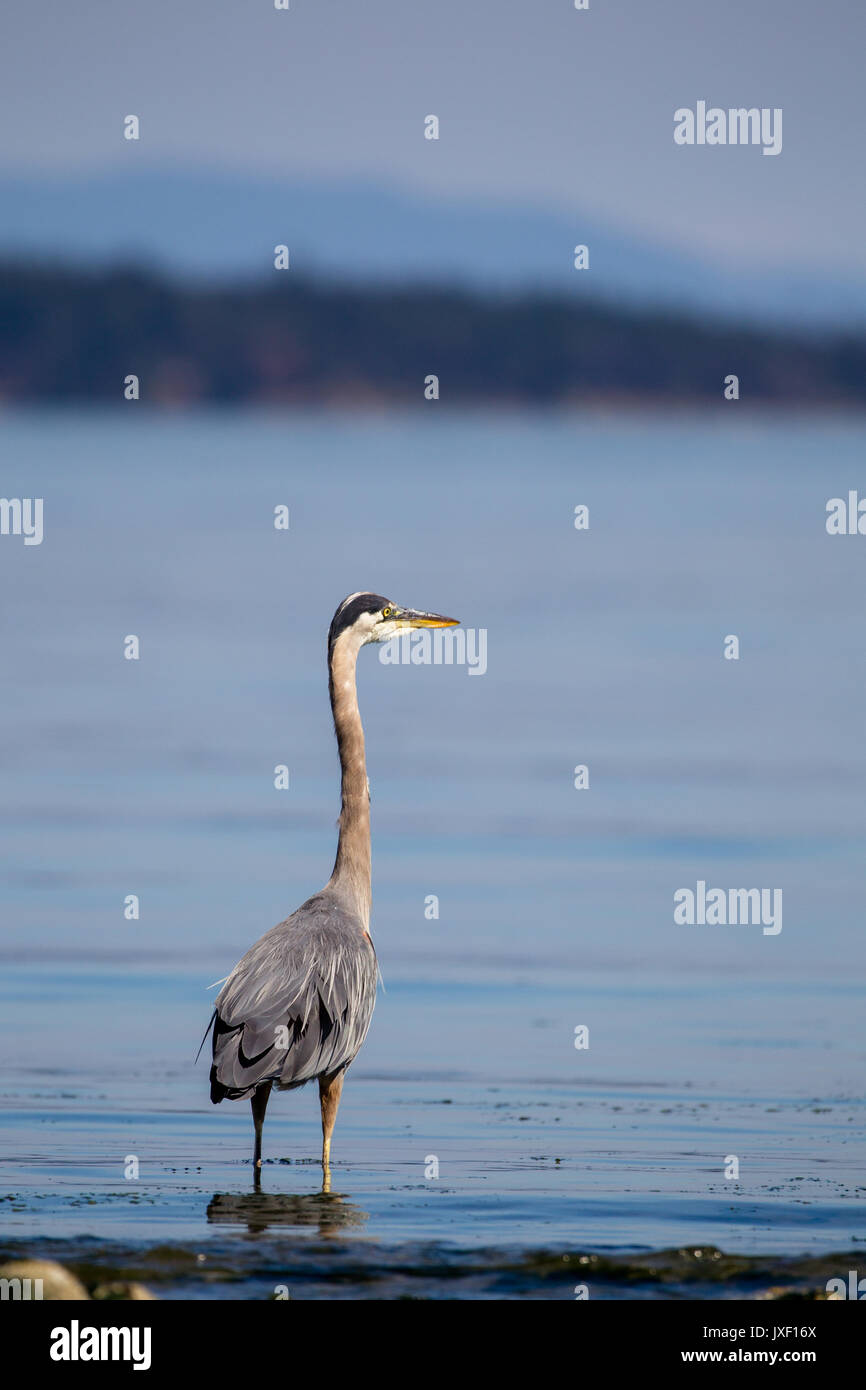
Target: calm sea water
x=605 y=648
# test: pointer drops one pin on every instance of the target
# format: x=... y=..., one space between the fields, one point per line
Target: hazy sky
x=536 y=101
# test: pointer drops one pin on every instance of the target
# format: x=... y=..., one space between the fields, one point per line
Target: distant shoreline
x=134 y=337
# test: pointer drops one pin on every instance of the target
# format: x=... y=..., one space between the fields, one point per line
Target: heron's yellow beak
x=413 y=618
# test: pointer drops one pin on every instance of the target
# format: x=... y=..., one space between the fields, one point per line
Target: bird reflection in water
x=330 y=1212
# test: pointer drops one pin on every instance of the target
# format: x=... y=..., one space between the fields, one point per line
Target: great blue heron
x=299 y=1003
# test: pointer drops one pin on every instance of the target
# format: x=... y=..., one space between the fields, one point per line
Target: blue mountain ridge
x=215 y=224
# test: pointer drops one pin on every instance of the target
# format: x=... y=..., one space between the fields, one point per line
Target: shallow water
x=604 y=648
x=531 y=1168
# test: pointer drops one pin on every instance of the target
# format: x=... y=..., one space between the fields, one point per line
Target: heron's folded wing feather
x=298 y=1004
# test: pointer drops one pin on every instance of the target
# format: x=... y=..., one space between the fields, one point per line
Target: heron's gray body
x=299 y=1003
x=297 y=1007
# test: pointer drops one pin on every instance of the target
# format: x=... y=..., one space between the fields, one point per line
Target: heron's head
x=372 y=618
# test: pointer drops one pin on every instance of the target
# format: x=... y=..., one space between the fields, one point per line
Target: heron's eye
x=386 y=612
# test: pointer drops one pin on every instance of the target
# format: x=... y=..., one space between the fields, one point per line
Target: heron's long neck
x=352 y=867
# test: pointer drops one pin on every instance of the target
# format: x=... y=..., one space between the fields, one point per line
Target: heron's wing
x=297 y=1006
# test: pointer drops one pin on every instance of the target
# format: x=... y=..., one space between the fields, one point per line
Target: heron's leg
x=330 y=1089
x=259 y=1102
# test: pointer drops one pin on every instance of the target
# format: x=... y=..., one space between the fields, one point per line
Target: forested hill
x=69 y=334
